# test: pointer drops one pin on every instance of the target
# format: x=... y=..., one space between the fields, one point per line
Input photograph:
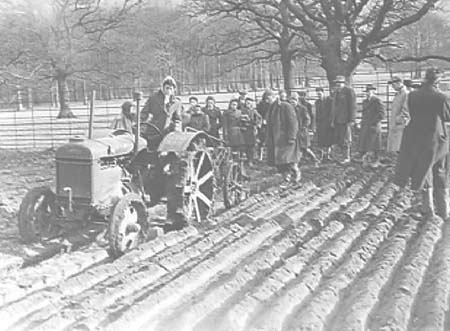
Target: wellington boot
x=441 y=200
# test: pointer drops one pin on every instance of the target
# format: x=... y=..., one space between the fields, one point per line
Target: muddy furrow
x=309 y=275
x=393 y=311
x=233 y=314
x=247 y=273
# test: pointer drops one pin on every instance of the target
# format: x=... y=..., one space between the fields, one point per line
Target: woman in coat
x=283 y=148
x=425 y=146
x=373 y=112
x=232 y=133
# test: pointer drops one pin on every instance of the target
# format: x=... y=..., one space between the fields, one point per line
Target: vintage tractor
x=117 y=178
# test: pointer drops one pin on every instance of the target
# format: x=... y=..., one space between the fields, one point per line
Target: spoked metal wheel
x=37 y=214
x=127 y=224
x=234 y=184
x=191 y=187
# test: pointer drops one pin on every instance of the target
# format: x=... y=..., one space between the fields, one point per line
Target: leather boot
x=427 y=202
x=441 y=199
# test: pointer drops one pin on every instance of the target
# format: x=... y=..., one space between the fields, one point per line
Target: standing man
x=241 y=99
x=399 y=115
x=309 y=108
x=263 y=108
x=343 y=113
x=304 y=121
x=283 y=149
x=162 y=108
x=373 y=113
x=214 y=115
x=325 y=132
x=425 y=146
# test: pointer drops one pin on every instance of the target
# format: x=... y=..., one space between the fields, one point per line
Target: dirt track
x=338 y=252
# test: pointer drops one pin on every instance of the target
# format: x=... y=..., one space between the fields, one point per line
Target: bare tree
x=68 y=41
x=346 y=32
x=261 y=30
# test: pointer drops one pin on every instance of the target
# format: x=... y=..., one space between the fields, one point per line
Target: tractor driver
x=162 y=109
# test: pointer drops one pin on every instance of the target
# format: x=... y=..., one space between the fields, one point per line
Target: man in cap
x=325 y=133
x=373 y=112
x=424 y=148
x=343 y=113
x=241 y=99
x=399 y=115
x=162 y=108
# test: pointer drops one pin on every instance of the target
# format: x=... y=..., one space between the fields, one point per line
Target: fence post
x=91 y=115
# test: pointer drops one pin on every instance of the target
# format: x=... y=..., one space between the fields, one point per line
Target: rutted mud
x=340 y=251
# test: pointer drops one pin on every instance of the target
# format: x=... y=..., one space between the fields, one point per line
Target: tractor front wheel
x=127 y=224
x=36 y=214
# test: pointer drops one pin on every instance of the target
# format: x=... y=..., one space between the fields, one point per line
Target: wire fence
x=36 y=127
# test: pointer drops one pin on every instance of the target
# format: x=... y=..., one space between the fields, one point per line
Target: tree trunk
x=286 y=65
x=64 y=109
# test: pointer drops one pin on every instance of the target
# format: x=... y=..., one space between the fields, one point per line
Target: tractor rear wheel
x=35 y=215
x=127 y=224
x=190 y=189
x=234 y=184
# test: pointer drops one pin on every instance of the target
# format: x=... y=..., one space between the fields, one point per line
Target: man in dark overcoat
x=283 y=148
x=162 y=108
x=263 y=108
x=343 y=114
x=303 y=101
x=324 y=130
x=425 y=146
x=373 y=112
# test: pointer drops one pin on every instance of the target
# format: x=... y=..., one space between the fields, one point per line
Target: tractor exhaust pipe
x=137 y=96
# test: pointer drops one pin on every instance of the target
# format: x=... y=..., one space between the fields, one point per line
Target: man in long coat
x=343 y=114
x=425 y=146
x=283 y=148
x=162 y=108
x=250 y=120
x=399 y=115
x=373 y=113
x=324 y=130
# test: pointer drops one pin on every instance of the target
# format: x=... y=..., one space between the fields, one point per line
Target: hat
x=339 y=79
x=243 y=92
x=193 y=98
x=249 y=99
x=169 y=81
x=395 y=79
x=433 y=74
x=370 y=87
x=407 y=82
x=302 y=93
x=210 y=97
x=319 y=89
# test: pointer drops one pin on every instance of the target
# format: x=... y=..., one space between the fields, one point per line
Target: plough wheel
x=127 y=224
x=190 y=189
x=234 y=185
x=35 y=215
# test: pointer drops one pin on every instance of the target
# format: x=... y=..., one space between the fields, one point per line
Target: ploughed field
x=341 y=251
